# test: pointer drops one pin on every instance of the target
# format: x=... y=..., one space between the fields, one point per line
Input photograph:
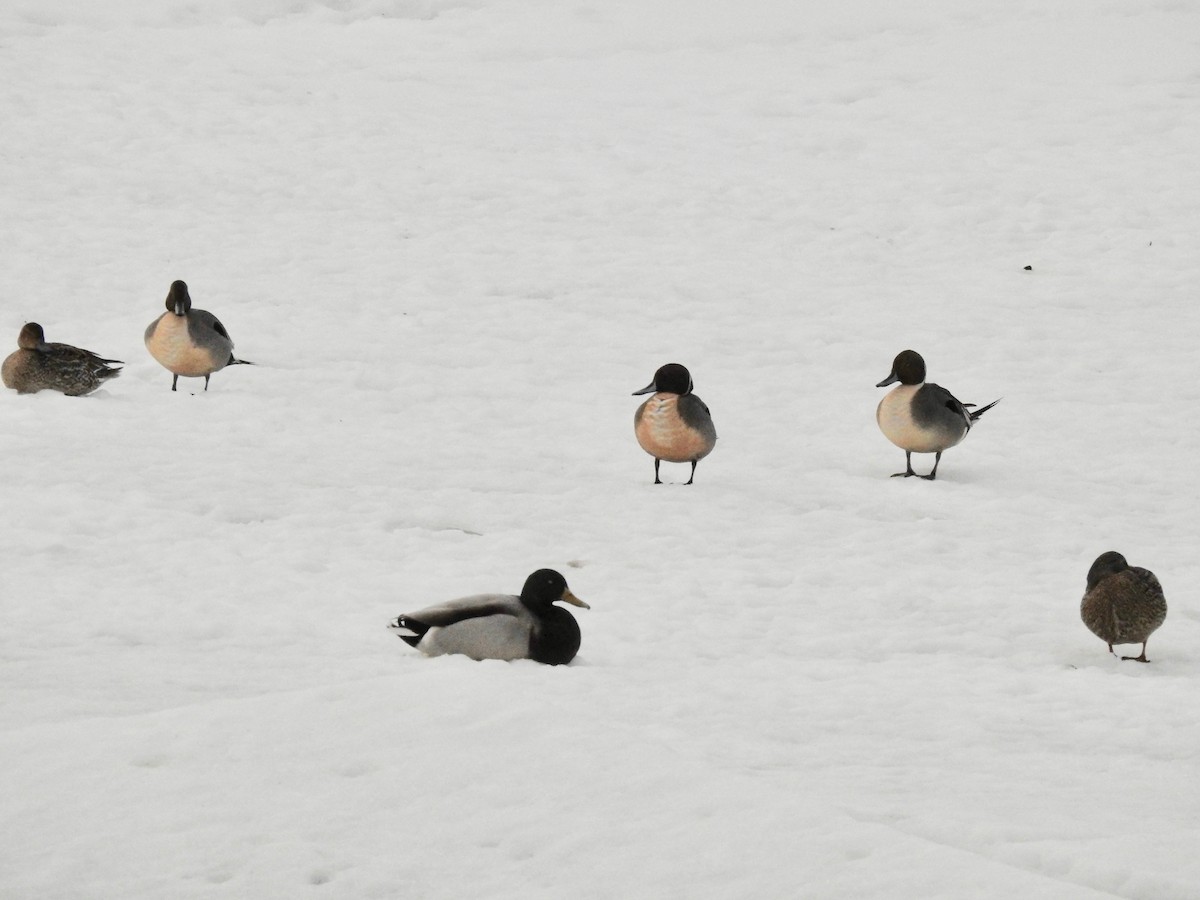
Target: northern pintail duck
x=922 y=418
x=1123 y=604
x=500 y=626
x=189 y=342
x=39 y=366
x=674 y=424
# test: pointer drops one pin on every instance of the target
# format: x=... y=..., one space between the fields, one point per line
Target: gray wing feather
x=936 y=407
x=476 y=606
x=695 y=415
x=207 y=331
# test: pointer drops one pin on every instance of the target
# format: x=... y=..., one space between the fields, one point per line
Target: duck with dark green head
x=40 y=366
x=920 y=417
x=500 y=626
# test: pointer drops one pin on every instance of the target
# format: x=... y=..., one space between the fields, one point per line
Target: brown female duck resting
x=1123 y=604
x=39 y=366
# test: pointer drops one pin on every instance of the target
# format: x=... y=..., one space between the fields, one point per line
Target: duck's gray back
x=206 y=331
x=695 y=415
x=935 y=409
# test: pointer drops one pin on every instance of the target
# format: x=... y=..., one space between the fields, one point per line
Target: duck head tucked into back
x=1123 y=604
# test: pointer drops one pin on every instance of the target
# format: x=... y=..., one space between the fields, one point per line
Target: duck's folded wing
x=695 y=415
x=67 y=350
x=454 y=611
x=206 y=329
x=934 y=404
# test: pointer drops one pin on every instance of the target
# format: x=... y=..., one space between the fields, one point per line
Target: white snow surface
x=455 y=236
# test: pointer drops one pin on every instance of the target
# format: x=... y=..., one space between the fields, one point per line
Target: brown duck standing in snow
x=1123 y=604
x=39 y=366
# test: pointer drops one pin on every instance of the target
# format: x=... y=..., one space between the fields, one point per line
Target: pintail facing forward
x=674 y=424
x=922 y=418
x=39 y=366
x=190 y=342
x=500 y=626
x=1123 y=604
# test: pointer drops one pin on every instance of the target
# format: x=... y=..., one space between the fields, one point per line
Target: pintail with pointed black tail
x=920 y=417
x=190 y=342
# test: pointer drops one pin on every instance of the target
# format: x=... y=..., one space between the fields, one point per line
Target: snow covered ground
x=455 y=236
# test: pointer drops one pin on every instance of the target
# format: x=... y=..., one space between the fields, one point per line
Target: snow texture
x=455 y=237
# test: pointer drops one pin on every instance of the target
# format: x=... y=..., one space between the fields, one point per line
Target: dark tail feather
x=976 y=413
x=234 y=361
x=418 y=630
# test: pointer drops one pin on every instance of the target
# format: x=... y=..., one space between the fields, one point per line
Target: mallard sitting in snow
x=38 y=366
x=674 y=424
x=189 y=342
x=1123 y=604
x=919 y=417
x=500 y=626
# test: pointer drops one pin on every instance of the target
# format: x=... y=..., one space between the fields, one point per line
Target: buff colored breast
x=895 y=419
x=170 y=343
x=663 y=434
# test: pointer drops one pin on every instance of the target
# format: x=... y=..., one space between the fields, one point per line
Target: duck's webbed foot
x=908 y=469
x=1141 y=658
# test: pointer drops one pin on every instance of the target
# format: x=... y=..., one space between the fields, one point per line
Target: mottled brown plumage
x=1123 y=604
x=39 y=366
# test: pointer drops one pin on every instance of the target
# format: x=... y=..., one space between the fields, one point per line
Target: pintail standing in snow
x=38 y=366
x=189 y=342
x=500 y=626
x=922 y=418
x=1123 y=604
x=674 y=424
